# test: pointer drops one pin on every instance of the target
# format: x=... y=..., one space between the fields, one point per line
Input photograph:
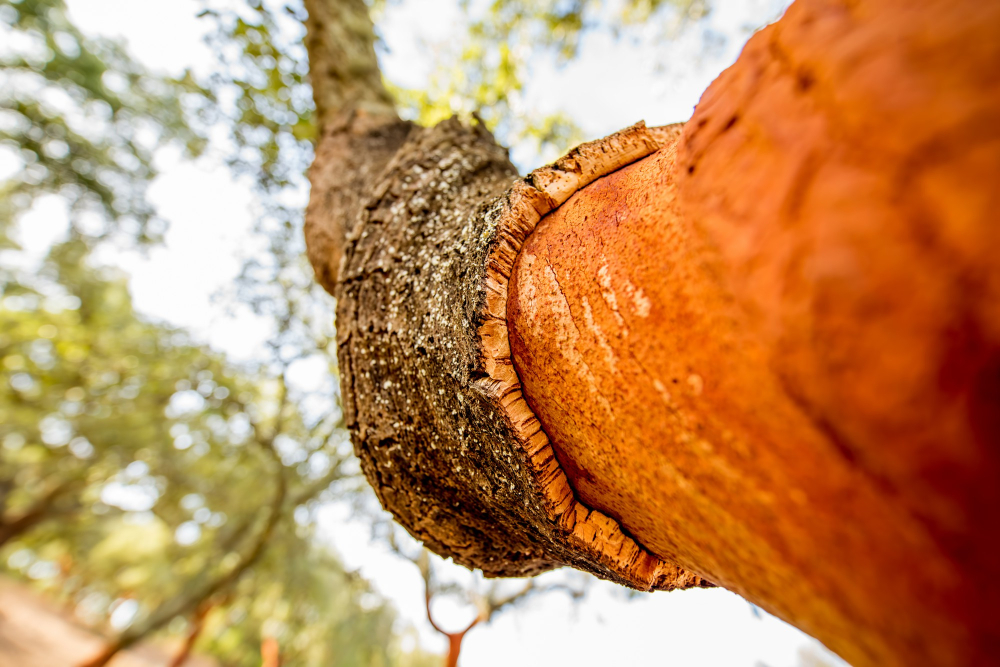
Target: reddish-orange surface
x=774 y=355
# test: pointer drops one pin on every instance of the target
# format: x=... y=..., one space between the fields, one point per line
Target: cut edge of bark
x=593 y=534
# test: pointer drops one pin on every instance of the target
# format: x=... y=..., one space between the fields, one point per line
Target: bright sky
x=609 y=87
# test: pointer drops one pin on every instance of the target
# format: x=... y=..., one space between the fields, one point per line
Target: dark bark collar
x=430 y=394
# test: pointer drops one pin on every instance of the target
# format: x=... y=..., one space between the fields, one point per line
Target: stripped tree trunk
x=761 y=350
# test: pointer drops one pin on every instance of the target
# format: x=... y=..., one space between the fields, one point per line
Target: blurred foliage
x=268 y=112
x=143 y=477
x=169 y=464
x=488 y=74
x=321 y=614
x=84 y=119
x=263 y=79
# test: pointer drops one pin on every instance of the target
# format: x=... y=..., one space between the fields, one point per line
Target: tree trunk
x=761 y=351
x=454 y=649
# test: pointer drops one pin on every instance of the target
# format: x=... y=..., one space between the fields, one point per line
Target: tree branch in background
x=487 y=605
x=203 y=587
x=270 y=652
x=197 y=625
x=423 y=562
x=317 y=487
x=44 y=508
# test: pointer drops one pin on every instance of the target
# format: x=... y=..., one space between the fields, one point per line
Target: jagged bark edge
x=525 y=204
x=433 y=407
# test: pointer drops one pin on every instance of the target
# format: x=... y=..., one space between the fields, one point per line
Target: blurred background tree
x=143 y=477
x=85 y=119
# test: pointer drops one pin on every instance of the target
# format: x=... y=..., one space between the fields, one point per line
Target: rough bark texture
x=351 y=155
x=431 y=399
x=776 y=361
x=357 y=124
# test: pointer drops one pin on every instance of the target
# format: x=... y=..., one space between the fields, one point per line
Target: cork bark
x=351 y=154
x=771 y=352
x=432 y=401
x=761 y=350
x=662 y=407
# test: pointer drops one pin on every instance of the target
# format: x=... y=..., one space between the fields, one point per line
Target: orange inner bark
x=665 y=415
x=773 y=352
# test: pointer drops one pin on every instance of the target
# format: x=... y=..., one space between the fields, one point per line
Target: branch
x=41 y=510
x=423 y=563
x=344 y=72
x=202 y=589
x=430 y=616
x=493 y=605
x=279 y=417
x=317 y=487
x=358 y=128
x=197 y=625
x=270 y=652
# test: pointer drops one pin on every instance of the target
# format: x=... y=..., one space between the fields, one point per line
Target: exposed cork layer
x=430 y=394
x=527 y=202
